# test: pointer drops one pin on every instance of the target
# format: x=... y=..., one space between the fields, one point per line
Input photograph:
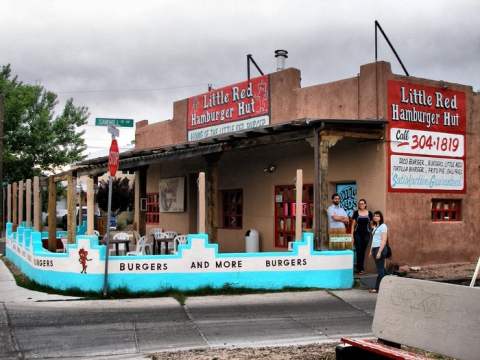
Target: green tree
x=36 y=139
x=122 y=195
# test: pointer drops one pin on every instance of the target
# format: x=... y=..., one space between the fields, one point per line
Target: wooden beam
x=71 y=223
x=79 y=202
x=322 y=144
x=90 y=206
x=37 y=205
x=201 y=203
x=52 y=214
x=15 y=204
x=370 y=135
x=62 y=177
x=142 y=223
x=20 y=202
x=323 y=187
x=212 y=196
x=9 y=203
x=28 y=202
x=299 y=205
x=316 y=188
x=136 y=202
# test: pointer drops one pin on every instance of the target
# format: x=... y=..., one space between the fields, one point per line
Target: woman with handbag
x=379 y=246
x=361 y=234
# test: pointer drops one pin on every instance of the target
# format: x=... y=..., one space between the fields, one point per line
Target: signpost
x=114 y=122
x=113 y=162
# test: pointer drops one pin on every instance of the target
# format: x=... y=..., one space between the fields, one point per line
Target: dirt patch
x=443 y=272
x=303 y=352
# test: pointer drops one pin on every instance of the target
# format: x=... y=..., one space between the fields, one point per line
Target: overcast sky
x=132 y=59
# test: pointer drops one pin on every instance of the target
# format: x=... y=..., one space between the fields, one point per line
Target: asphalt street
x=35 y=325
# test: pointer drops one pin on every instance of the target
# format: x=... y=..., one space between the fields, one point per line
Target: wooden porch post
x=201 y=203
x=212 y=196
x=142 y=183
x=322 y=145
x=15 y=204
x=136 y=202
x=299 y=205
x=37 y=205
x=323 y=187
x=71 y=223
x=9 y=203
x=20 y=202
x=79 y=202
x=28 y=202
x=52 y=214
x=90 y=206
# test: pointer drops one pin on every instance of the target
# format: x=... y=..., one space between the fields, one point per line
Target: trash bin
x=251 y=241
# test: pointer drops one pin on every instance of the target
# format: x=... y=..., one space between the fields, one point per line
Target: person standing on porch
x=378 y=249
x=337 y=216
x=361 y=233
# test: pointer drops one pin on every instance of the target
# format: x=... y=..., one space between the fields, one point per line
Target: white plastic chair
x=179 y=239
x=121 y=246
x=140 y=248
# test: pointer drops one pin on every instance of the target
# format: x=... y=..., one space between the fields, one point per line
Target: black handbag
x=388 y=252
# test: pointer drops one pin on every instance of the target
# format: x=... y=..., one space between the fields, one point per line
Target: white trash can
x=252 y=241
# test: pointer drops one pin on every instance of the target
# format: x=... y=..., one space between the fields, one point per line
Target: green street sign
x=114 y=122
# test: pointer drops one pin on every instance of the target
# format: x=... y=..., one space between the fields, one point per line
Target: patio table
x=158 y=241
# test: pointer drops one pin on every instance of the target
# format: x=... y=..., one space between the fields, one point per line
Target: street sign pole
x=107 y=242
x=113 y=160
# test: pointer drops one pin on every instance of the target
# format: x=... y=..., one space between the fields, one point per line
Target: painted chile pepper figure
x=82 y=253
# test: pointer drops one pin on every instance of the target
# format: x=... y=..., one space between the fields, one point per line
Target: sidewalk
x=10 y=292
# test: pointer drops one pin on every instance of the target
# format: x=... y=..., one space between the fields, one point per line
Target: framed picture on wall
x=172 y=195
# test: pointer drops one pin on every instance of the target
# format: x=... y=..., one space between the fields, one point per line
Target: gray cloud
x=133 y=60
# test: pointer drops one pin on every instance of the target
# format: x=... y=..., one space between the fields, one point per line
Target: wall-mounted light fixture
x=270 y=169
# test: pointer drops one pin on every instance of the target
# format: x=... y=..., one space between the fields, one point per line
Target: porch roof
x=286 y=132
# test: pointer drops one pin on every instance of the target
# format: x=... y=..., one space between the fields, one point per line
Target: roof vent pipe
x=281 y=56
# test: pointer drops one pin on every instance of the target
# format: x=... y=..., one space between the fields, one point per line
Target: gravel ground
x=304 y=352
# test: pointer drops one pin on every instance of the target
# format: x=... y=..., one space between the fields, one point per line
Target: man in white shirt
x=337 y=217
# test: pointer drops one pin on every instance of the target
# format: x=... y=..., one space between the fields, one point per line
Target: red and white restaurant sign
x=113 y=158
x=238 y=107
x=426 y=133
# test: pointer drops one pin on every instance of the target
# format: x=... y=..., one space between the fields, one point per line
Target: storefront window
x=285 y=208
x=446 y=210
x=232 y=206
x=152 y=214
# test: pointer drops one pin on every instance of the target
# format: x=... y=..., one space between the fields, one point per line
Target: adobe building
x=408 y=145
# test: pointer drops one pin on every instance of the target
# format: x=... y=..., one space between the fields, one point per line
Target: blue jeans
x=380 y=264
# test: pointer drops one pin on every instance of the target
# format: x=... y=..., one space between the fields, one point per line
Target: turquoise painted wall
x=197 y=264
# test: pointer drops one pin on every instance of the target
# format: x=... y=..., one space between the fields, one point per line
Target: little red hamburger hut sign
x=427 y=138
x=237 y=107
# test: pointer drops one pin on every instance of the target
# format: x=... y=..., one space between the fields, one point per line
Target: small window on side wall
x=446 y=210
x=232 y=209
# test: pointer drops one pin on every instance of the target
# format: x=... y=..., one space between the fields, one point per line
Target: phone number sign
x=427 y=137
x=410 y=141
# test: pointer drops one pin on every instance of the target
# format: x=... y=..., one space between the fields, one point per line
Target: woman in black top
x=361 y=233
